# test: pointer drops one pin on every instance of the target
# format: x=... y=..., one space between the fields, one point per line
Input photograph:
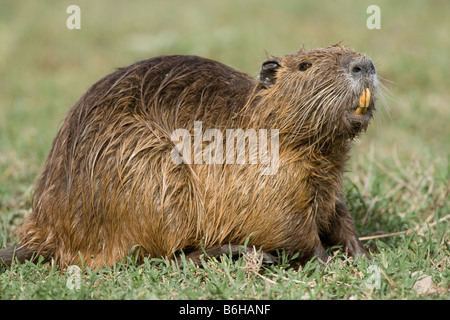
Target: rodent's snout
x=363 y=73
x=361 y=67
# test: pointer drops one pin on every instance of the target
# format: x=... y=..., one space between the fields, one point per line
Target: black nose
x=361 y=66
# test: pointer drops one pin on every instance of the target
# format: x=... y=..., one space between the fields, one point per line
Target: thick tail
x=21 y=253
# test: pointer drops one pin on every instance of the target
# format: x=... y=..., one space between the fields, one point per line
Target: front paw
x=355 y=248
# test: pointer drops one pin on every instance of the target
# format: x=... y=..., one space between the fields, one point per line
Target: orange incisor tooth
x=366 y=104
x=362 y=100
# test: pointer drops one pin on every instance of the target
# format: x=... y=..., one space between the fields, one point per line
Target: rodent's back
x=176 y=89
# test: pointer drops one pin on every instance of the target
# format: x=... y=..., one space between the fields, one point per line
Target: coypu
x=110 y=184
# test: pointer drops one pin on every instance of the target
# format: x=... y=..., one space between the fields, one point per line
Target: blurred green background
x=45 y=67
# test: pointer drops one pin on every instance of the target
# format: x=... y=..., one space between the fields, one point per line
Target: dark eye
x=304 y=66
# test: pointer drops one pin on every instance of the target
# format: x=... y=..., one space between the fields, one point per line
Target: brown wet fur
x=109 y=185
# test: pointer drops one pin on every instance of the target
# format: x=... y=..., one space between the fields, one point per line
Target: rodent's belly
x=269 y=210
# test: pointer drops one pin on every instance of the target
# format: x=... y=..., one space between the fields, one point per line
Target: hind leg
x=219 y=250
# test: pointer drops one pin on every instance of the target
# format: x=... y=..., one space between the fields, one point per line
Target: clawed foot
x=216 y=251
x=353 y=247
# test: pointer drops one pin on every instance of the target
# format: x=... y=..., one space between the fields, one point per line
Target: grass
x=399 y=173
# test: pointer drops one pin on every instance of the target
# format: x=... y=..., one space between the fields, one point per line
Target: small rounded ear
x=267 y=75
